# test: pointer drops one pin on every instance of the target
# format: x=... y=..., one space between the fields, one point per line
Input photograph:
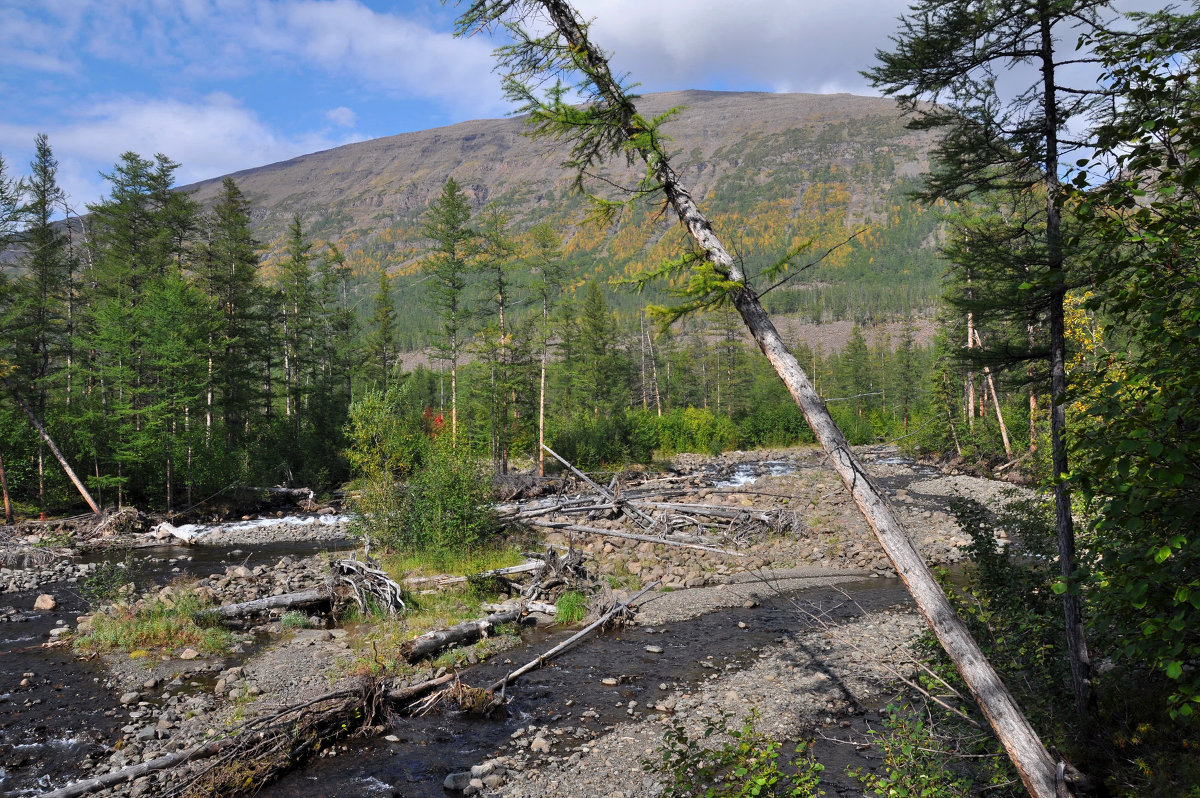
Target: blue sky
x=222 y=85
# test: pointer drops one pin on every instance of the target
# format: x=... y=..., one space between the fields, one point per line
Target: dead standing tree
x=608 y=124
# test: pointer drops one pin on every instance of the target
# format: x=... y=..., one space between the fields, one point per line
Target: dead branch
x=431 y=643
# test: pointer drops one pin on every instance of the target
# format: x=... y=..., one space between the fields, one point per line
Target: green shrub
x=571 y=608
x=914 y=766
x=159 y=624
x=740 y=763
x=294 y=619
x=447 y=505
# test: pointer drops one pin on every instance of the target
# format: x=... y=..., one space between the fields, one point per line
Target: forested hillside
x=174 y=341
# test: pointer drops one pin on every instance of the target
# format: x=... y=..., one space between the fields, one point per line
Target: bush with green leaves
x=447 y=506
x=730 y=762
x=915 y=765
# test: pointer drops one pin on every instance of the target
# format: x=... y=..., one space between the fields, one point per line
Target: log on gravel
x=431 y=643
x=133 y=772
x=285 y=601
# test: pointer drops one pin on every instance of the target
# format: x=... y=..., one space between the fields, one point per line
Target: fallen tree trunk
x=285 y=601
x=62 y=461
x=431 y=643
x=619 y=609
x=636 y=515
x=202 y=751
x=446 y=579
x=612 y=533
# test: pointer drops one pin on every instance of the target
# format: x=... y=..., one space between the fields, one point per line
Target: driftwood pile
x=653 y=519
x=350 y=581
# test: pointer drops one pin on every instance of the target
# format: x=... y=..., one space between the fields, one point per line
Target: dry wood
x=62 y=461
x=619 y=610
x=446 y=579
x=431 y=643
x=132 y=772
x=540 y=607
x=369 y=587
x=285 y=601
x=637 y=516
x=612 y=533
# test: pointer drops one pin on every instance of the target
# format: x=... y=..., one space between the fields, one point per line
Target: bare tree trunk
x=654 y=371
x=991 y=384
x=1034 y=764
x=53 y=448
x=8 y=510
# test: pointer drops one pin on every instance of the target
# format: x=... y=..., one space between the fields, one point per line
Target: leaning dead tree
x=609 y=124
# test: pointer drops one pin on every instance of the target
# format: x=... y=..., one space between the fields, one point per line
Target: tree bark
x=8 y=511
x=49 y=442
x=1034 y=764
x=431 y=643
x=303 y=598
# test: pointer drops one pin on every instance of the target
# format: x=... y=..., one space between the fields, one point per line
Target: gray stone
x=130 y=698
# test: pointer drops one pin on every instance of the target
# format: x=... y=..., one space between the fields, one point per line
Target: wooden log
x=636 y=515
x=530 y=606
x=431 y=643
x=534 y=664
x=446 y=579
x=62 y=461
x=202 y=751
x=612 y=533
x=303 y=598
x=709 y=510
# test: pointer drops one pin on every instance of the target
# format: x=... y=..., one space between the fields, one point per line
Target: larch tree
x=607 y=124
x=944 y=69
x=381 y=336
x=452 y=240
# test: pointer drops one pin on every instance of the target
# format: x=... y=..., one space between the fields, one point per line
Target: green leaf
x=1059 y=587
x=1174 y=669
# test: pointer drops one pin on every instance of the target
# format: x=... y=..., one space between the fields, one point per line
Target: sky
x=223 y=85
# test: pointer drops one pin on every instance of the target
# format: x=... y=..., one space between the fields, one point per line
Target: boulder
x=45 y=602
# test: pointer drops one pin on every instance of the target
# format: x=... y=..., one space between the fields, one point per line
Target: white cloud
x=764 y=44
x=384 y=51
x=341 y=116
x=211 y=137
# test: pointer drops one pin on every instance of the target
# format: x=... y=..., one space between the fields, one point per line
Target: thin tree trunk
x=991 y=384
x=53 y=448
x=1077 y=651
x=8 y=510
x=1034 y=764
x=654 y=371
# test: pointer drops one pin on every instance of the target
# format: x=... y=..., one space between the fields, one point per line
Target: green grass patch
x=158 y=625
x=571 y=608
x=454 y=561
x=294 y=619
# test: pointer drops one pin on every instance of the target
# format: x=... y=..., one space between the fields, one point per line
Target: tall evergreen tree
x=296 y=314
x=228 y=273
x=381 y=338
x=599 y=363
x=944 y=69
x=447 y=228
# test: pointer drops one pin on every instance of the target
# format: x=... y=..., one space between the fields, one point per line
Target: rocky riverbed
x=724 y=633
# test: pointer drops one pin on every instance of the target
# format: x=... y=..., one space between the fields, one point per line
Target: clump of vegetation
x=914 y=763
x=160 y=624
x=571 y=608
x=294 y=619
x=730 y=762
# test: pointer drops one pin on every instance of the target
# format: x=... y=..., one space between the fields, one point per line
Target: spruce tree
x=381 y=338
x=296 y=312
x=228 y=273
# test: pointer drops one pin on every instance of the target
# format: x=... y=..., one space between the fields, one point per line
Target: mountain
x=773 y=170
